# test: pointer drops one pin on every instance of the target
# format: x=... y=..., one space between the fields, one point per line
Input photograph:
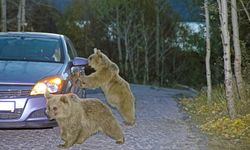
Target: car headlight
x=54 y=85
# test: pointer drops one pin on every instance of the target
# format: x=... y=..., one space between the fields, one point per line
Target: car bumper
x=27 y=113
x=28 y=124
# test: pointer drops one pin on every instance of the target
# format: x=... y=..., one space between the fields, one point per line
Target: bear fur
x=116 y=89
x=80 y=118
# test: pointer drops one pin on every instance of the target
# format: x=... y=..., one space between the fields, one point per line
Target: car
x=30 y=62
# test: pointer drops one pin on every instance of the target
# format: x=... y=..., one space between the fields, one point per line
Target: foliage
x=79 y=24
x=40 y=16
x=213 y=118
x=180 y=71
x=199 y=106
x=229 y=128
x=103 y=30
x=43 y=23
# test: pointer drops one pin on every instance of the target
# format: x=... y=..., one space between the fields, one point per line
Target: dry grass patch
x=213 y=118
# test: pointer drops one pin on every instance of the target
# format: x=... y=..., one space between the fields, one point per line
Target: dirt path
x=159 y=126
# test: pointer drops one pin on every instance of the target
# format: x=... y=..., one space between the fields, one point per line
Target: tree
x=118 y=30
x=223 y=11
x=157 y=37
x=208 y=53
x=237 y=50
x=4 y=17
x=21 y=23
x=145 y=32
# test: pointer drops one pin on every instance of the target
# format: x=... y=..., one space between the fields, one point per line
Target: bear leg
x=82 y=136
x=127 y=112
x=113 y=130
x=69 y=141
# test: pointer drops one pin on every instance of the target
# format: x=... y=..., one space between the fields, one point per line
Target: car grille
x=11 y=115
x=39 y=113
x=14 y=93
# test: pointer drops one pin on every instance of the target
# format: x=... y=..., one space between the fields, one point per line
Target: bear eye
x=54 y=109
x=90 y=58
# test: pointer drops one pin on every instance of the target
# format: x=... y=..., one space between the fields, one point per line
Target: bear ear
x=47 y=95
x=64 y=99
x=97 y=51
x=73 y=96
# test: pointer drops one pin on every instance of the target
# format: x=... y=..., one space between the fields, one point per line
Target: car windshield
x=30 y=49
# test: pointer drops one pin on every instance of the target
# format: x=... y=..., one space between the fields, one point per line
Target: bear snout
x=47 y=112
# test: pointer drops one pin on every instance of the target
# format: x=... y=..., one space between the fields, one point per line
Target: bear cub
x=116 y=90
x=80 y=118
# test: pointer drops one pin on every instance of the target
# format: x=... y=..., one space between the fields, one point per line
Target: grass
x=213 y=118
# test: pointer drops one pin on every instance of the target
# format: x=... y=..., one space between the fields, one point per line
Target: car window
x=30 y=49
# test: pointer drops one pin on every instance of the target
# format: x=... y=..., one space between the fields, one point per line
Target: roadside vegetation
x=222 y=108
x=213 y=118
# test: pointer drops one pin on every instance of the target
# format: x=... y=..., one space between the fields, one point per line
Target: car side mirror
x=78 y=65
x=80 y=61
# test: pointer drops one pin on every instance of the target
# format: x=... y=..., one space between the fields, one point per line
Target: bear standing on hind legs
x=115 y=88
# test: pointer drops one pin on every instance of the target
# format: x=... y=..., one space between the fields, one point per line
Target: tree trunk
x=137 y=60
x=131 y=61
x=163 y=65
x=4 y=18
x=157 y=37
x=132 y=55
x=146 y=66
x=144 y=33
x=23 y=20
x=126 y=55
x=227 y=57
x=127 y=27
x=21 y=16
x=174 y=68
x=237 y=50
x=208 y=53
x=119 y=40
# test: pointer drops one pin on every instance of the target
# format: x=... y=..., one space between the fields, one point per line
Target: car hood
x=26 y=72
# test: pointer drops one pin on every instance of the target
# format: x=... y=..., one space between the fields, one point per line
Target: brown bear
x=116 y=89
x=80 y=118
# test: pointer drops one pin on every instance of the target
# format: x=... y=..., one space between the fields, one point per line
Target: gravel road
x=159 y=126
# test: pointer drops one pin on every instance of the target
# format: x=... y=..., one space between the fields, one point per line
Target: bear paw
x=120 y=141
x=129 y=123
x=62 y=146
